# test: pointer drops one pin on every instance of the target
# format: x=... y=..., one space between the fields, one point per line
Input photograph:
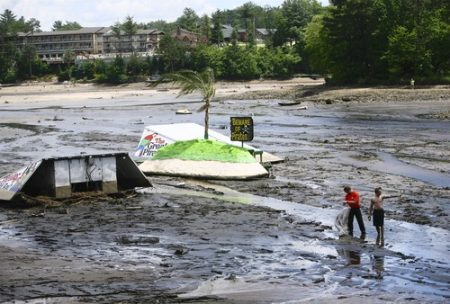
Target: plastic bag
x=341 y=221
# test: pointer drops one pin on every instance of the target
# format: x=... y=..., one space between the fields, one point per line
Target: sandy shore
x=63 y=93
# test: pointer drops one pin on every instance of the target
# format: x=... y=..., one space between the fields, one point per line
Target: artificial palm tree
x=192 y=81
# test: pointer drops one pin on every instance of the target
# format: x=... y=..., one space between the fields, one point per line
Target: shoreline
x=302 y=89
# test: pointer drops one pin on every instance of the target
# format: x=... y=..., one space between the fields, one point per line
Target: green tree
x=350 y=27
x=292 y=19
x=189 y=20
x=117 y=34
x=204 y=57
x=8 y=23
x=129 y=27
x=277 y=62
x=241 y=63
x=166 y=27
x=192 y=81
x=370 y=41
x=10 y=54
x=216 y=32
x=99 y=70
x=173 y=53
x=247 y=13
x=69 y=56
x=32 y=25
x=26 y=60
x=85 y=70
x=58 y=25
x=68 y=59
x=316 y=45
x=134 y=66
x=115 y=72
x=205 y=28
x=251 y=41
x=234 y=37
x=403 y=57
x=439 y=40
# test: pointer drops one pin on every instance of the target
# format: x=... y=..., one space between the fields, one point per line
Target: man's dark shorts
x=378 y=217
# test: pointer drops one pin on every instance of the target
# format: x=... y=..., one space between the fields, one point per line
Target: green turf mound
x=203 y=149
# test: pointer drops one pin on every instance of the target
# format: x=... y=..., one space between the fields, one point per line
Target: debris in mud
x=127 y=240
x=65 y=177
x=57 y=205
x=183 y=111
x=28 y=127
x=180 y=250
x=365 y=156
x=439 y=115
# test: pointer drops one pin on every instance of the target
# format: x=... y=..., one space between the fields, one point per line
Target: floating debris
x=183 y=111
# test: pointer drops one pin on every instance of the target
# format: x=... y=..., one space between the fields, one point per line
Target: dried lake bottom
x=261 y=241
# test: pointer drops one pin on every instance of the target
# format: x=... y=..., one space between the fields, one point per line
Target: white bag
x=341 y=222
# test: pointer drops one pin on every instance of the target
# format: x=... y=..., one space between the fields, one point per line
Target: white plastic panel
x=109 y=169
x=86 y=170
x=62 y=173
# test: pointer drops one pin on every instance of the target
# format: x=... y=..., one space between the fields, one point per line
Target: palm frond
x=190 y=81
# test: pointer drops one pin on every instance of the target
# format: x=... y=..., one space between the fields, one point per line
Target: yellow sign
x=241 y=128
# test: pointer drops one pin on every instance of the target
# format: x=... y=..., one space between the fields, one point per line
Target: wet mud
x=262 y=241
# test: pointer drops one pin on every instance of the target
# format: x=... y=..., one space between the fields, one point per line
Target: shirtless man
x=376 y=208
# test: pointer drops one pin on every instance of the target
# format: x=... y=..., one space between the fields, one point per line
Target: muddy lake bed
x=268 y=240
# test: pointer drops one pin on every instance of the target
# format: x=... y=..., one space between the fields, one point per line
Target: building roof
x=264 y=31
x=138 y=32
x=185 y=35
x=84 y=30
x=227 y=31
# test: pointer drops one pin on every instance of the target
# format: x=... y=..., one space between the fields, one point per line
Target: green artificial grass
x=203 y=149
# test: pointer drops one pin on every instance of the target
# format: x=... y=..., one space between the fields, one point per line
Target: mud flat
x=262 y=241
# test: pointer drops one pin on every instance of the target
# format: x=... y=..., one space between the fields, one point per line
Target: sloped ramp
x=157 y=136
x=64 y=176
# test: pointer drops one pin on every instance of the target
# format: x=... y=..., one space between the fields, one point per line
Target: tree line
x=231 y=62
x=379 y=41
x=349 y=42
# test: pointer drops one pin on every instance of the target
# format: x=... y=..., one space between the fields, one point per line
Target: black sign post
x=241 y=129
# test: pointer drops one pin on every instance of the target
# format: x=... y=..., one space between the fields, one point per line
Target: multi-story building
x=143 y=41
x=50 y=46
x=88 y=42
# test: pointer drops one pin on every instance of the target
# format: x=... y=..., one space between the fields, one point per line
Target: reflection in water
x=352 y=257
x=378 y=265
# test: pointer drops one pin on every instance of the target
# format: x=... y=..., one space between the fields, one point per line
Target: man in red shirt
x=352 y=200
